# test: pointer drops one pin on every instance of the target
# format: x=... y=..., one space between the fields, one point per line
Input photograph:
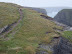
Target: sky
x=41 y=3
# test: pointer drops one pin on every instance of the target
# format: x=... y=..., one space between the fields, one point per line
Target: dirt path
x=13 y=24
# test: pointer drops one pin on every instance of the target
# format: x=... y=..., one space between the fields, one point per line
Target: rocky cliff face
x=59 y=45
x=64 y=16
x=63 y=47
x=40 y=10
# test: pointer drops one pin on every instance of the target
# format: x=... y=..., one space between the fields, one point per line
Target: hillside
x=29 y=32
x=64 y=16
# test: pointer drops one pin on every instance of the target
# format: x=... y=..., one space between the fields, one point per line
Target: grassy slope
x=68 y=35
x=8 y=14
x=31 y=31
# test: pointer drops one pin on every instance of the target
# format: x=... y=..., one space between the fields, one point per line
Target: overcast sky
x=41 y=3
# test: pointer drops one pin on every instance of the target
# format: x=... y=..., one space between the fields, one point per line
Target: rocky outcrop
x=2 y=29
x=40 y=10
x=63 y=47
x=48 y=48
x=6 y=28
x=59 y=45
x=46 y=17
x=64 y=16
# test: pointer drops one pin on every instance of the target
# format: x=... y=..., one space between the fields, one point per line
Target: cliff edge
x=64 y=16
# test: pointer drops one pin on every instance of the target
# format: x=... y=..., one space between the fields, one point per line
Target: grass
x=8 y=14
x=31 y=31
x=68 y=35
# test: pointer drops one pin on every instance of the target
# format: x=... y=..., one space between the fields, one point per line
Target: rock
x=46 y=17
x=59 y=45
x=2 y=29
x=64 y=47
x=40 y=10
x=64 y=16
x=47 y=48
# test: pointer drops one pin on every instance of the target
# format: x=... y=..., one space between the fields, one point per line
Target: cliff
x=63 y=47
x=59 y=45
x=64 y=16
x=40 y=10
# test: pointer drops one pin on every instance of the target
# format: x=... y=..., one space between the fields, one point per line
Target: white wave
x=52 y=14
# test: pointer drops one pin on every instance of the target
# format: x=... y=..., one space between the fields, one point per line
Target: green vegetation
x=68 y=35
x=32 y=30
x=8 y=14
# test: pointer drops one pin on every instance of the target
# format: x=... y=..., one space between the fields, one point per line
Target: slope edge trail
x=13 y=25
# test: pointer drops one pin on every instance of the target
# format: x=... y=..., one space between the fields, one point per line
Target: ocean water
x=52 y=14
x=52 y=11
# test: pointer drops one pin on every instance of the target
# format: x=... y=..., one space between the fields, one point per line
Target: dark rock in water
x=64 y=16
